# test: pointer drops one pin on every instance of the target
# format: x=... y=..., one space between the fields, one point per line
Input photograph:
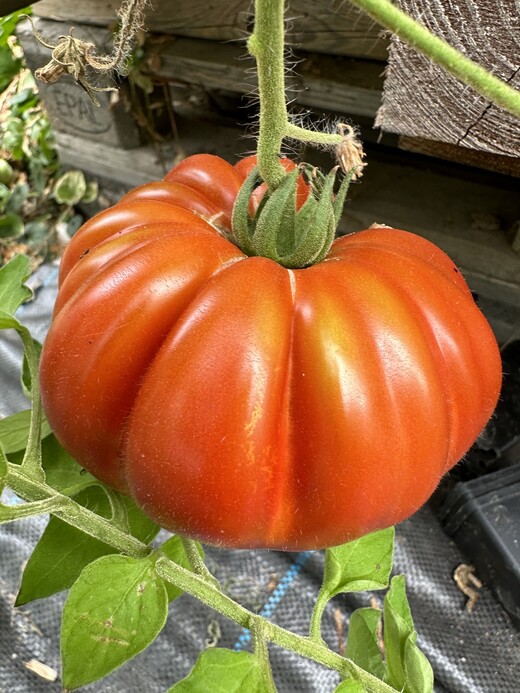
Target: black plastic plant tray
x=483 y=517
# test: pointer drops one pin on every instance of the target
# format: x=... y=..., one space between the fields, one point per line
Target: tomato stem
x=203 y=589
x=317 y=614
x=440 y=52
x=266 y=45
x=196 y=562
x=262 y=653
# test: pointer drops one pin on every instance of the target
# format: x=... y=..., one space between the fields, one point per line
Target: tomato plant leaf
x=174 y=549
x=57 y=560
x=26 y=374
x=407 y=668
x=114 y=610
x=12 y=290
x=350 y=686
x=14 y=431
x=362 y=564
x=62 y=472
x=417 y=668
x=228 y=671
x=64 y=551
x=362 y=641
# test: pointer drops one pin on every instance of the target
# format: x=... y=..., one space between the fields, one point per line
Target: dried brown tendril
x=78 y=58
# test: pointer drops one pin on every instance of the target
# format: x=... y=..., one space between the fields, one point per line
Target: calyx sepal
x=295 y=238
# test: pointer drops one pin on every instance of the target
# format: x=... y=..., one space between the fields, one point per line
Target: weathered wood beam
x=351 y=87
x=335 y=27
x=424 y=101
x=509 y=165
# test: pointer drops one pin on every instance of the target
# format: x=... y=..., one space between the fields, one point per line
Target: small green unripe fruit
x=6 y=172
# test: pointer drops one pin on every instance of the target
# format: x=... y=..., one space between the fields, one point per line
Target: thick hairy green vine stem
x=200 y=587
x=196 y=561
x=266 y=45
x=72 y=513
x=438 y=51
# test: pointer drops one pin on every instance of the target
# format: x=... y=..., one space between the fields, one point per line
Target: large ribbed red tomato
x=250 y=405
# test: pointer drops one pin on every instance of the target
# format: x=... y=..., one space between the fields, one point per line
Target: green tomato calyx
x=294 y=237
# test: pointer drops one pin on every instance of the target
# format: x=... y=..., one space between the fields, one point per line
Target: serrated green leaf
x=363 y=641
x=12 y=290
x=26 y=375
x=417 y=669
x=174 y=549
x=396 y=633
x=11 y=226
x=406 y=665
x=64 y=551
x=63 y=473
x=70 y=188
x=396 y=601
x=14 y=431
x=228 y=672
x=58 y=559
x=350 y=686
x=362 y=564
x=115 y=609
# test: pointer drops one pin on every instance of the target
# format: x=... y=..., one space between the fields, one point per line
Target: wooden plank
x=422 y=100
x=126 y=167
x=509 y=165
x=129 y=168
x=335 y=27
x=351 y=87
x=446 y=208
